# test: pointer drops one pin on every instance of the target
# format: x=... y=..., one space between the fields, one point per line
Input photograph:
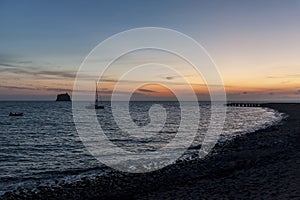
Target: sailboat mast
x=96 y=95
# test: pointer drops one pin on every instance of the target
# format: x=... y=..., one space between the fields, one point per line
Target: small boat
x=96 y=105
x=16 y=114
x=99 y=107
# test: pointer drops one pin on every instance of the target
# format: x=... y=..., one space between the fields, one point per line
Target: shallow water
x=43 y=145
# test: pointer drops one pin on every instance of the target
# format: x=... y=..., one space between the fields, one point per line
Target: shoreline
x=261 y=164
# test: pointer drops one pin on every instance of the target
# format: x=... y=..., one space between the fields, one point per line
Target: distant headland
x=63 y=97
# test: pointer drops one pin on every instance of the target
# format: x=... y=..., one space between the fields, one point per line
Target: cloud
x=25 y=62
x=28 y=67
x=7 y=61
x=169 y=77
x=33 y=71
x=7 y=65
x=35 y=88
x=111 y=91
x=18 y=87
x=17 y=68
x=146 y=90
x=63 y=74
x=57 y=89
x=284 y=76
x=174 y=77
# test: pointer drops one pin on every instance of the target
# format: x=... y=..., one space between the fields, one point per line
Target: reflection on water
x=44 y=146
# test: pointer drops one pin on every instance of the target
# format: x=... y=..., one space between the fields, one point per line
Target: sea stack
x=63 y=97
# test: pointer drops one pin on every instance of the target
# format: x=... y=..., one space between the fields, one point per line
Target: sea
x=42 y=147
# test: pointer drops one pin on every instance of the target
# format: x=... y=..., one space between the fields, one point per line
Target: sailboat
x=96 y=105
x=96 y=99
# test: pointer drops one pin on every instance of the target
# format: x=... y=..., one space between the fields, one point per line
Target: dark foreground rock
x=260 y=165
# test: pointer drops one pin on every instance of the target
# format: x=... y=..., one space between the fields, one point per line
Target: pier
x=243 y=105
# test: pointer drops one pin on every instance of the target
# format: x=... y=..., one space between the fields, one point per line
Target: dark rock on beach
x=260 y=165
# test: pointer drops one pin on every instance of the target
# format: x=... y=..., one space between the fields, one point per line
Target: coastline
x=263 y=164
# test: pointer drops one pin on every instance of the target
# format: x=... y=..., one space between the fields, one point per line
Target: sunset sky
x=255 y=44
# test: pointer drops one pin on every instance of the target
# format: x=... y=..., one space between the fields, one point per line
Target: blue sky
x=243 y=37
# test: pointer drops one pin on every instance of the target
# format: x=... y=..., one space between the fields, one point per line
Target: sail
x=96 y=106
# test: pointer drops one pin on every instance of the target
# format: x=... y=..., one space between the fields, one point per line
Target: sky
x=255 y=45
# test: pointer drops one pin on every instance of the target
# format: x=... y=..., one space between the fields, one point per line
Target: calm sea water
x=43 y=146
